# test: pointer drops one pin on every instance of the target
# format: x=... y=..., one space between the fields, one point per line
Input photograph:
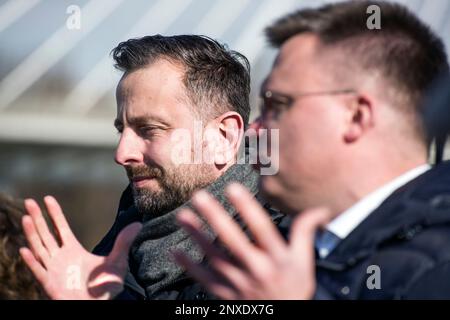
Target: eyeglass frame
x=291 y=98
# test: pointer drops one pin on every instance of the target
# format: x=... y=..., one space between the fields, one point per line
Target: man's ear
x=230 y=127
x=360 y=117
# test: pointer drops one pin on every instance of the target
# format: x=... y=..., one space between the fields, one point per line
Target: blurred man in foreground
x=347 y=102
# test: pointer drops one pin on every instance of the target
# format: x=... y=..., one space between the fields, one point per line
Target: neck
x=369 y=175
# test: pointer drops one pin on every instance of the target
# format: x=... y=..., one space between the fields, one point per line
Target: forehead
x=298 y=66
x=156 y=90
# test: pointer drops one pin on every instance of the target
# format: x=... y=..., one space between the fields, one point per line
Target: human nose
x=128 y=151
x=257 y=124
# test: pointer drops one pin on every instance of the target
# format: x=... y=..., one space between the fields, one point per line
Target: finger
x=206 y=278
x=36 y=268
x=32 y=236
x=228 y=231
x=218 y=261
x=304 y=229
x=119 y=254
x=256 y=218
x=59 y=220
x=105 y=286
x=41 y=225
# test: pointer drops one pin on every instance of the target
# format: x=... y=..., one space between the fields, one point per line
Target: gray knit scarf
x=150 y=259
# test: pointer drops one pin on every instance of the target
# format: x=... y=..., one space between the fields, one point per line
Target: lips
x=140 y=181
x=141 y=178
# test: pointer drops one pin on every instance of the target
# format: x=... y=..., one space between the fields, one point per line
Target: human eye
x=278 y=105
x=272 y=106
x=148 y=131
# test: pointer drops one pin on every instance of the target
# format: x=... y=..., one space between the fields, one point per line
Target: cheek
x=295 y=144
x=308 y=137
x=158 y=152
x=306 y=149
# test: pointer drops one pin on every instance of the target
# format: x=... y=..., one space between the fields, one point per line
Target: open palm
x=64 y=268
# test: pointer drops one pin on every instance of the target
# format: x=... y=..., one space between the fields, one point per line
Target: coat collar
x=421 y=202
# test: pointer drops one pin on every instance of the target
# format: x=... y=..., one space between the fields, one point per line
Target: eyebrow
x=142 y=120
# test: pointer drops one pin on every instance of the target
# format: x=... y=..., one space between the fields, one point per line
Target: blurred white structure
x=57 y=85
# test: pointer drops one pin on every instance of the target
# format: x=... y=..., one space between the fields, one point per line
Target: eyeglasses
x=274 y=103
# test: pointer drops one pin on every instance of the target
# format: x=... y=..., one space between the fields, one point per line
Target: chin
x=269 y=190
x=146 y=189
x=274 y=194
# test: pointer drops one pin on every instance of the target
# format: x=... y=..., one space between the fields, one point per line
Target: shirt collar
x=348 y=220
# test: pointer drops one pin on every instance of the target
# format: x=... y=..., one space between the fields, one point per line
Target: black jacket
x=184 y=288
x=125 y=216
x=407 y=237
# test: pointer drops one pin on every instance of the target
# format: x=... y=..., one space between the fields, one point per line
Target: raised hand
x=268 y=269
x=64 y=268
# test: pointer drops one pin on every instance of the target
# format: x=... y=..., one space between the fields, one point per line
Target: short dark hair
x=213 y=73
x=407 y=54
x=16 y=280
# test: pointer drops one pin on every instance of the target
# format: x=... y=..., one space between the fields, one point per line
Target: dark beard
x=176 y=188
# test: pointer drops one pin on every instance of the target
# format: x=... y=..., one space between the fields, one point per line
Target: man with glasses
x=347 y=102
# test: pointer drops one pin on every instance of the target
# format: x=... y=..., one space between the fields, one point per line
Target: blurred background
x=57 y=83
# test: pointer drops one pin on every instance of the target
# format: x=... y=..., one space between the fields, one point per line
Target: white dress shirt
x=347 y=221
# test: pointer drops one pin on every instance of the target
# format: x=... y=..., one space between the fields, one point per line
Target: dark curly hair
x=16 y=281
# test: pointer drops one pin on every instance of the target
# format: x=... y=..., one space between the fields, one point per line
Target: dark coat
x=126 y=215
x=184 y=288
x=407 y=237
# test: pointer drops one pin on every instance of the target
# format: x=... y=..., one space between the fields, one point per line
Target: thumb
x=304 y=229
x=119 y=254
